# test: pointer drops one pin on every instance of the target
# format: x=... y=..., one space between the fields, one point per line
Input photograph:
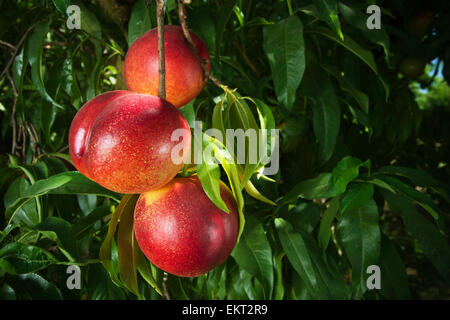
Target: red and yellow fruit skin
x=184 y=75
x=181 y=231
x=122 y=141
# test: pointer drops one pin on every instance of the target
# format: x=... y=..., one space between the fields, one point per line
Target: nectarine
x=184 y=75
x=123 y=141
x=181 y=231
x=412 y=67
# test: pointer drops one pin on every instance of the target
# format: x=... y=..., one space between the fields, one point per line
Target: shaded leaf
x=285 y=49
x=432 y=242
x=139 y=21
x=60 y=231
x=359 y=232
x=254 y=254
x=18 y=258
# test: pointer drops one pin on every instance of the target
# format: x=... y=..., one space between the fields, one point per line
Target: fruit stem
x=161 y=54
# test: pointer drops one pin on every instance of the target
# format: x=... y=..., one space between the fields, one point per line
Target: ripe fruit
x=122 y=140
x=184 y=75
x=412 y=68
x=181 y=231
x=420 y=23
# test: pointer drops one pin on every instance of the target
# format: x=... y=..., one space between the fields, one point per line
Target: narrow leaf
x=285 y=49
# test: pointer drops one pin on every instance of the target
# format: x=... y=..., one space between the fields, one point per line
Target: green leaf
x=285 y=49
x=127 y=249
x=381 y=184
x=34 y=287
x=326 y=185
x=358 y=20
x=329 y=214
x=18 y=258
x=418 y=177
x=127 y=204
x=90 y=23
x=360 y=97
x=254 y=254
x=327 y=11
x=79 y=184
x=84 y=224
x=35 y=45
x=432 y=242
x=102 y=288
x=143 y=266
x=189 y=113
x=359 y=232
x=6 y=292
x=357 y=196
x=19 y=71
x=330 y=278
x=422 y=199
x=345 y=172
x=63 y=183
x=394 y=282
x=139 y=21
x=230 y=168
x=60 y=231
x=267 y=122
x=308 y=189
x=223 y=15
x=297 y=253
x=303 y=217
x=61 y=5
x=209 y=175
x=279 y=286
x=348 y=43
x=326 y=111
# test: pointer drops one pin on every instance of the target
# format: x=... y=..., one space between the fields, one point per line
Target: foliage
x=363 y=176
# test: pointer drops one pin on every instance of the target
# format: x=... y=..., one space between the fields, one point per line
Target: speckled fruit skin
x=184 y=75
x=122 y=141
x=181 y=231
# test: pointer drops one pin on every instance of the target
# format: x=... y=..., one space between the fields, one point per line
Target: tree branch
x=13 y=112
x=187 y=35
x=164 y=285
x=161 y=54
x=16 y=48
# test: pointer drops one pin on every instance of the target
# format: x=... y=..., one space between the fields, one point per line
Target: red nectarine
x=181 y=231
x=184 y=75
x=123 y=141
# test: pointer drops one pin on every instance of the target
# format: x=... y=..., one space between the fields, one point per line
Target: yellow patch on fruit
x=154 y=195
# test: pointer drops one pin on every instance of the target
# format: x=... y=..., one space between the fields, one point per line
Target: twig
x=63 y=149
x=161 y=85
x=164 y=286
x=23 y=139
x=7 y=44
x=161 y=54
x=13 y=112
x=246 y=58
x=187 y=35
x=35 y=137
x=16 y=48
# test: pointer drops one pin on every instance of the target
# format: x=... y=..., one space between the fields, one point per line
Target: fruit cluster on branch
x=123 y=141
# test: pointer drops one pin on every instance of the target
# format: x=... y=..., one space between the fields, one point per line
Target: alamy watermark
x=258 y=147
x=74 y=279
x=74 y=17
